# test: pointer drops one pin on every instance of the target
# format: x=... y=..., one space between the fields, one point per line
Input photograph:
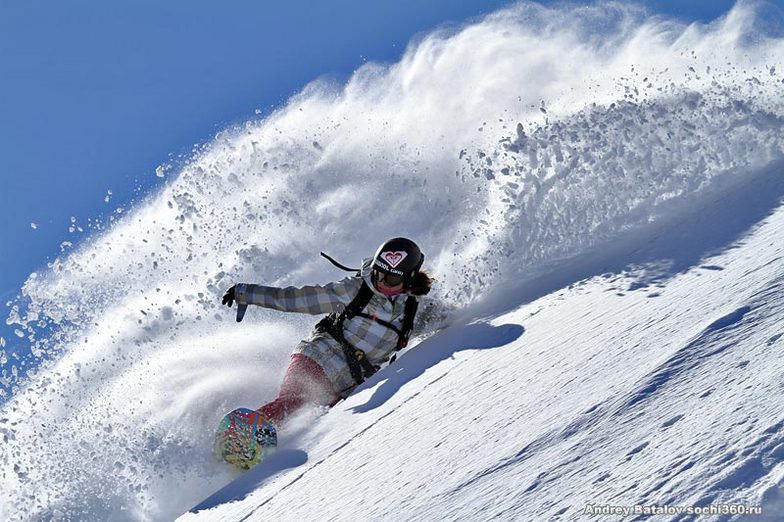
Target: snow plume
x=531 y=136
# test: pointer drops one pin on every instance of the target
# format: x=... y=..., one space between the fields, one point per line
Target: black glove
x=228 y=298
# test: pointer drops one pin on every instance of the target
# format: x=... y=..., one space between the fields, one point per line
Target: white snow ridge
x=599 y=195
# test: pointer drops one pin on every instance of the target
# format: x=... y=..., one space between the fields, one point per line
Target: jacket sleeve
x=315 y=299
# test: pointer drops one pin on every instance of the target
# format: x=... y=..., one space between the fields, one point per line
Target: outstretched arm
x=313 y=299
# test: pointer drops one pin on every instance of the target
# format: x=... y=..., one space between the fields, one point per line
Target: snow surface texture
x=640 y=395
x=598 y=187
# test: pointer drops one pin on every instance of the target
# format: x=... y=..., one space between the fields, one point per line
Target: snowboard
x=244 y=437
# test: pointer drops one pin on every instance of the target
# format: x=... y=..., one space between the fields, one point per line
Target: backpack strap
x=358 y=364
x=387 y=324
x=404 y=332
x=357 y=304
x=412 y=304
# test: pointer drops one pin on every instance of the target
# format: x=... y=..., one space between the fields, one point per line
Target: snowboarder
x=370 y=317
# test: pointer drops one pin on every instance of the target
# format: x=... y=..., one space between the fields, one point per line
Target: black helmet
x=399 y=256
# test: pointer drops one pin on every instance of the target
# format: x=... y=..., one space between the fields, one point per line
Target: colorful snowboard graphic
x=244 y=438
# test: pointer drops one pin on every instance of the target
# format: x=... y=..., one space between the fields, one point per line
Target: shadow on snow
x=248 y=482
x=441 y=346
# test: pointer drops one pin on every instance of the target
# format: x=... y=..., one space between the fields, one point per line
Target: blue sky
x=94 y=95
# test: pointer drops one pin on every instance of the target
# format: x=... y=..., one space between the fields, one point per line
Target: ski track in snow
x=598 y=193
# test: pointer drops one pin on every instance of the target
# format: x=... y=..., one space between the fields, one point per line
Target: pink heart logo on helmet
x=393 y=258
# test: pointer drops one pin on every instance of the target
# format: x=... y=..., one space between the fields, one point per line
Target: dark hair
x=420 y=284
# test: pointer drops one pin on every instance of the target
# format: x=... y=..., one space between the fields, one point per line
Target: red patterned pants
x=304 y=384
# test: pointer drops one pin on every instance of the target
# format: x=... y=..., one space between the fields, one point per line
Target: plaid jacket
x=377 y=341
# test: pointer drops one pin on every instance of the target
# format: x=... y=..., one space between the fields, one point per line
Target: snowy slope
x=617 y=390
x=598 y=194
